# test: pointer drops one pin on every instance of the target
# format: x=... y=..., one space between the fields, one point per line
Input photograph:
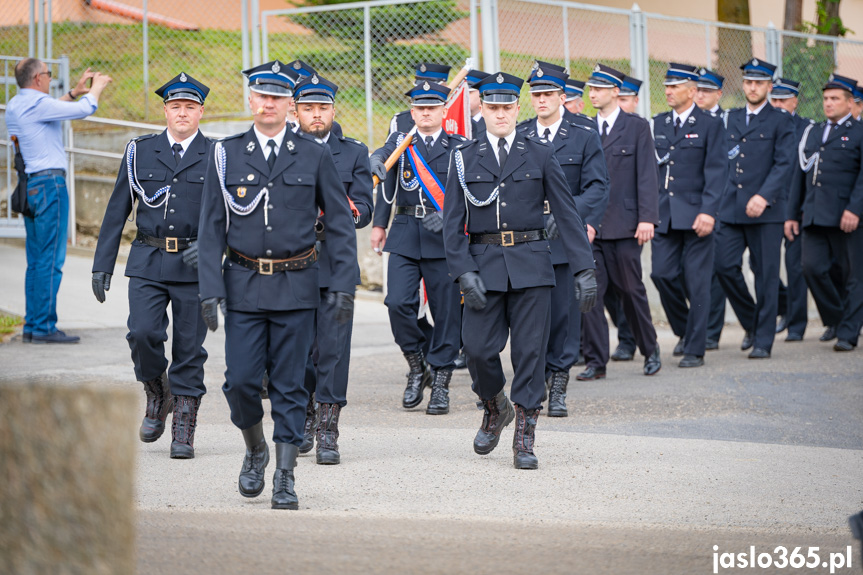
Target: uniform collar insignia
x=290 y=145
x=668 y=119
x=691 y=119
x=250 y=147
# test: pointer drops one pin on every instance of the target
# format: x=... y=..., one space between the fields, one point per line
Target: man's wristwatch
x=72 y=96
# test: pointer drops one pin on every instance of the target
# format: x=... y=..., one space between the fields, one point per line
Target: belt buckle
x=546 y=209
x=265 y=267
x=507 y=239
x=419 y=213
x=171 y=245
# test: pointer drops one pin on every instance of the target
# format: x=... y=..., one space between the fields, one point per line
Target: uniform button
x=171 y=227
x=173 y=195
x=740 y=170
x=822 y=148
x=671 y=178
x=299 y=179
x=670 y=193
x=270 y=206
x=819 y=172
x=743 y=140
x=174 y=180
x=671 y=162
x=269 y=252
x=270 y=185
x=503 y=204
x=742 y=155
x=478 y=177
x=269 y=228
x=502 y=184
x=171 y=210
x=527 y=175
x=503 y=225
x=151 y=175
x=740 y=186
x=819 y=184
x=671 y=148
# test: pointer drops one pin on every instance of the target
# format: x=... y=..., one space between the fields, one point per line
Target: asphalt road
x=646 y=475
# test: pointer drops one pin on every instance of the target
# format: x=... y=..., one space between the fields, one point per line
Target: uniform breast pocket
x=300 y=191
x=240 y=189
x=623 y=155
x=195 y=181
x=151 y=174
x=528 y=184
x=570 y=159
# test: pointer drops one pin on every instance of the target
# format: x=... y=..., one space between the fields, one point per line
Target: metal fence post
x=256 y=36
x=565 y=18
x=49 y=36
x=40 y=48
x=772 y=47
x=489 y=29
x=474 y=33
x=69 y=137
x=367 y=57
x=639 y=57
x=145 y=27
x=31 y=32
x=244 y=18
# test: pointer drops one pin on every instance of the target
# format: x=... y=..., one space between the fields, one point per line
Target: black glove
x=473 y=289
x=209 y=309
x=433 y=222
x=585 y=289
x=342 y=304
x=378 y=168
x=101 y=284
x=190 y=255
x=551 y=228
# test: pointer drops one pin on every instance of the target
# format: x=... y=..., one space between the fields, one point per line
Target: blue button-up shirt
x=36 y=118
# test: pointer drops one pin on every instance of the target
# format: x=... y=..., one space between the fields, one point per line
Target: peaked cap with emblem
x=500 y=88
x=301 y=68
x=431 y=72
x=630 y=86
x=858 y=94
x=273 y=78
x=426 y=93
x=473 y=77
x=605 y=77
x=709 y=80
x=183 y=87
x=545 y=77
x=835 y=81
x=758 y=70
x=680 y=74
x=783 y=88
x=574 y=89
x=315 y=89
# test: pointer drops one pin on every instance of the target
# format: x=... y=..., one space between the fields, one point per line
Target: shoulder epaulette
x=231 y=137
x=465 y=144
x=537 y=139
x=144 y=137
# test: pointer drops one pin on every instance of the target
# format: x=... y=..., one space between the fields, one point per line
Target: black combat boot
x=522 y=440
x=418 y=378
x=309 y=426
x=283 y=479
x=498 y=414
x=183 y=426
x=257 y=457
x=439 y=400
x=327 y=434
x=159 y=403
x=557 y=394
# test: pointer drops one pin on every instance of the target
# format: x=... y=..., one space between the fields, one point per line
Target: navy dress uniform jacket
x=352 y=162
x=477 y=129
x=579 y=119
x=534 y=172
x=693 y=177
x=763 y=164
x=156 y=168
x=634 y=192
x=578 y=149
x=407 y=236
x=839 y=180
x=304 y=178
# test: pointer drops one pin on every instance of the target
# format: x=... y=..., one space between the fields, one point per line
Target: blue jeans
x=46 y=251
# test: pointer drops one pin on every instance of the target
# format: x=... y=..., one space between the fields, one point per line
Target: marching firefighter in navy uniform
x=760 y=147
x=402 y=122
x=497 y=189
x=416 y=188
x=692 y=168
x=262 y=195
x=579 y=153
x=327 y=371
x=826 y=201
x=164 y=173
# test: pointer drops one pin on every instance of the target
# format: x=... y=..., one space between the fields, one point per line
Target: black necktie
x=604 y=131
x=749 y=117
x=178 y=152
x=501 y=152
x=429 y=142
x=547 y=134
x=271 y=159
x=676 y=124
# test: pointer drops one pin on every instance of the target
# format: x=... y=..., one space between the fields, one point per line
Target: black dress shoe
x=748 y=340
x=622 y=354
x=653 y=363
x=678 y=349
x=711 y=344
x=26 y=337
x=56 y=337
x=460 y=361
x=794 y=336
x=759 y=353
x=690 y=360
x=829 y=334
x=591 y=373
x=843 y=345
x=781 y=324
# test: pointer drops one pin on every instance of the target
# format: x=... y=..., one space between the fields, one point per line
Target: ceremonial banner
x=457 y=117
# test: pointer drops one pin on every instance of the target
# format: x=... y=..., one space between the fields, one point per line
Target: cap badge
x=500 y=78
x=276 y=68
x=297 y=66
x=290 y=146
x=539 y=73
x=250 y=147
x=315 y=79
x=241 y=192
x=597 y=68
x=423 y=68
x=754 y=62
x=830 y=78
x=426 y=86
x=535 y=65
x=702 y=72
x=183 y=77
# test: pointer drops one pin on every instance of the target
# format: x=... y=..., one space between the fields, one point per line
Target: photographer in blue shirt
x=35 y=118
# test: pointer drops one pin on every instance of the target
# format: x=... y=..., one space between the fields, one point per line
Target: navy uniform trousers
x=270 y=325
x=518 y=278
x=158 y=277
x=417 y=253
x=329 y=363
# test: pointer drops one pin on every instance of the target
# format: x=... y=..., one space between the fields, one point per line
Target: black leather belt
x=414 y=211
x=508 y=238
x=268 y=267
x=170 y=245
x=54 y=172
x=546 y=209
